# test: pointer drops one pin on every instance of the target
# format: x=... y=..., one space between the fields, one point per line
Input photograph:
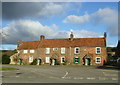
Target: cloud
x=18 y=10
x=31 y=30
x=105 y=16
x=25 y=30
x=77 y=19
x=52 y=9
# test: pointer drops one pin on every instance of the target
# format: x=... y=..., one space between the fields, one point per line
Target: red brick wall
x=69 y=54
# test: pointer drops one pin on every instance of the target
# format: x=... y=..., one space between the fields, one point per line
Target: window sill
x=62 y=54
x=47 y=54
x=98 y=53
x=76 y=53
x=76 y=62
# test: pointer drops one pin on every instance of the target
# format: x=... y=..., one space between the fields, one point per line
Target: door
x=39 y=62
x=86 y=61
x=20 y=61
x=53 y=61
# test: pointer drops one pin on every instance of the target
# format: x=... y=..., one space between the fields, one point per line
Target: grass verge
x=7 y=68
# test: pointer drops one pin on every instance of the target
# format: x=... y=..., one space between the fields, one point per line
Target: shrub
x=5 y=59
x=34 y=62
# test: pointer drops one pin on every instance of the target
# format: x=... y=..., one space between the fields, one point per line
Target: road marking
x=111 y=75
x=90 y=78
x=65 y=74
x=102 y=78
x=67 y=77
x=114 y=79
x=78 y=78
x=105 y=74
x=17 y=76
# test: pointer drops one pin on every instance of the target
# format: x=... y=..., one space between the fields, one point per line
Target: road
x=59 y=74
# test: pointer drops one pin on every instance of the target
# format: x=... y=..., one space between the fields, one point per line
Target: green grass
x=7 y=68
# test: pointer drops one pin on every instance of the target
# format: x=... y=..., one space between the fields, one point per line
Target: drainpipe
x=70 y=53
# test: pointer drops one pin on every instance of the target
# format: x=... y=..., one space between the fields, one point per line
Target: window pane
x=31 y=51
x=47 y=59
x=47 y=50
x=30 y=59
x=77 y=50
x=76 y=59
x=25 y=51
x=62 y=59
x=98 y=50
x=55 y=49
x=98 y=60
x=62 y=50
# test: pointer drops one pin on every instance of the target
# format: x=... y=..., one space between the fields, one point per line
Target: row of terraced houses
x=80 y=51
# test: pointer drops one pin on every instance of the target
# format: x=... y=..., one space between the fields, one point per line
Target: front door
x=20 y=61
x=54 y=61
x=38 y=61
x=87 y=61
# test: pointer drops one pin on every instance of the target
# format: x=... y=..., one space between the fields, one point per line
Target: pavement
x=59 y=74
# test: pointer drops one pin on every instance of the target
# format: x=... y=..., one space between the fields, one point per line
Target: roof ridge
x=64 y=38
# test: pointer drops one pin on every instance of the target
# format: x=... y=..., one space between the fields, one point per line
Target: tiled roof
x=77 y=42
x=29 y=45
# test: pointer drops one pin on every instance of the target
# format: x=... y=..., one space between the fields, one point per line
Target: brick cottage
x=80 y=51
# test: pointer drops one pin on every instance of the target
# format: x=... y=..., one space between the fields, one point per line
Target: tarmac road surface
x=58 y=74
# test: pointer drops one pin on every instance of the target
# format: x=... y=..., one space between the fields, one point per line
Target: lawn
x=7 y=68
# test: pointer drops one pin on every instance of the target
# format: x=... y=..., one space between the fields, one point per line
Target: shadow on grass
x=108 y=67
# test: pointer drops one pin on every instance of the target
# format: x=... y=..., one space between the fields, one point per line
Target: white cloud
x=25 y=30
x=77 y=19
x=52 y=9
x=106 y=16
x=31 y=30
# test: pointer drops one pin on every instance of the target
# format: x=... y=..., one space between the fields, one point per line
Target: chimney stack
x=42 y=37
x=18 y=43
x=71 y=36
x=105 y=35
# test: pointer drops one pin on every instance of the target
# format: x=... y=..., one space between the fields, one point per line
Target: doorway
x=53 y=61
x=20 y=61
x=39 y=61
x=87 y=60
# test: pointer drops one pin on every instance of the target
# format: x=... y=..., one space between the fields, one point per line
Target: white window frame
x=97 y=50
x=32 y=51
x=78 y=59
x=62 y=59
x=96 y=60
x=47 y=60
x=63 y=50
x=75 y=50
x=25 y=51
x=30 y=59
x=47 y=50
x=18 y=51
x=55 y=48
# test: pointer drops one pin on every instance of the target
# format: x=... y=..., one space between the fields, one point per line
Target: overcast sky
x=28 y=20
